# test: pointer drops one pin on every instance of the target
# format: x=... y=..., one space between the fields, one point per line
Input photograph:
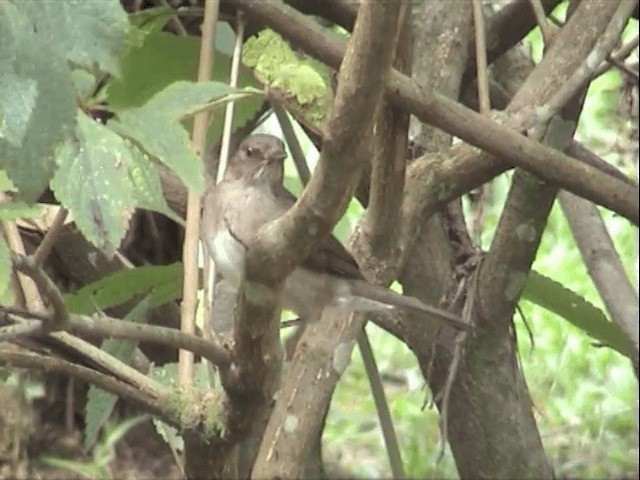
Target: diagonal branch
x=433 y=108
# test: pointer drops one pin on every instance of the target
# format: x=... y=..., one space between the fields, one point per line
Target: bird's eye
x=251 y=151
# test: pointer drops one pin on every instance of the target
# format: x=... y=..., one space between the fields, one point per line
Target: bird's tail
x=392 y=299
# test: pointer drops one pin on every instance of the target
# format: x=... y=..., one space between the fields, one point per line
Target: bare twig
x=48 y=288
x=541 y=19
x=151 y=403
x=481 y=58
x=50 y=237
x=190 y=249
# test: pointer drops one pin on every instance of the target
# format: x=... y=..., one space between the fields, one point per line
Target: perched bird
x=251 y=195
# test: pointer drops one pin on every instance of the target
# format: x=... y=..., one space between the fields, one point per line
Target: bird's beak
x=277 y=156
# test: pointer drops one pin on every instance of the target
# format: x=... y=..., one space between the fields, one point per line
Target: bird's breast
x=228 y=256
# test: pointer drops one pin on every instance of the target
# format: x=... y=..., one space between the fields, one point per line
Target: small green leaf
x=161 y=283
x=92 y=182
x=555 y=297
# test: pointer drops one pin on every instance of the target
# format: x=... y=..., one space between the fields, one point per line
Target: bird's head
x=259 y=157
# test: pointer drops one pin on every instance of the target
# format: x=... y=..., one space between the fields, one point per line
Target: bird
x=252 y=194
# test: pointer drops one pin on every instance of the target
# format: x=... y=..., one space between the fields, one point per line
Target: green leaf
x=37 y=103
x=162 y=283
x=172 y=58
x=156 y=125
x=555 y=297
x=146 y=184
x=84 y=33
x=6 y=298
x=92 y=182
x=275 y=63
x=17 y=209
x=100 y=403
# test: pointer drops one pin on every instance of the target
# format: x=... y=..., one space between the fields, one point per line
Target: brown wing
x=330 y=256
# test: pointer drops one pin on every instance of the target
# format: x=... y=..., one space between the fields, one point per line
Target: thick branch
x=433 y=108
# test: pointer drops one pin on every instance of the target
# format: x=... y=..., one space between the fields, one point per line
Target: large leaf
x=172 y=58
x=555 y=297
x=84 y=33
x=37 y=103
x=161 y=284
x=92 y=182
x=156 y=126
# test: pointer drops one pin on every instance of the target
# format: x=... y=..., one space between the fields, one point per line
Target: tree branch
x=431 y=107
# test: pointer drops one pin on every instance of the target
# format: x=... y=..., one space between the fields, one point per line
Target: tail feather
x=405 y=302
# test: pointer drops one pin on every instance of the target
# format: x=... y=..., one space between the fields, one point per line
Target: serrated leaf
x=156 y=125
x=173 y=58
x=100 y=403
x=146 y=184
x=101 y=26
x=6 y=297
x=93 y=184
x=557 y=298
x=37 y=103
x=161 y=283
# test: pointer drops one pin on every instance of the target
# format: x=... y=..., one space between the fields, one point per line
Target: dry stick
x=484 y=102
x=29 y=289
x=50 y=237
x=190 y=249
x=209 y=267
x=616 y=59
x=541 y=19
x=48 y=288
x=150 y=402
x=481 y=58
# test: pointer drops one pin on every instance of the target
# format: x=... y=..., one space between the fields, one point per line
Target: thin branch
x=28 y=285
x=50 y=237
x=49 y=289
x=541 y=19
x=233 y=81
x=150 y=403
x=481 y=58
x=190 y=248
